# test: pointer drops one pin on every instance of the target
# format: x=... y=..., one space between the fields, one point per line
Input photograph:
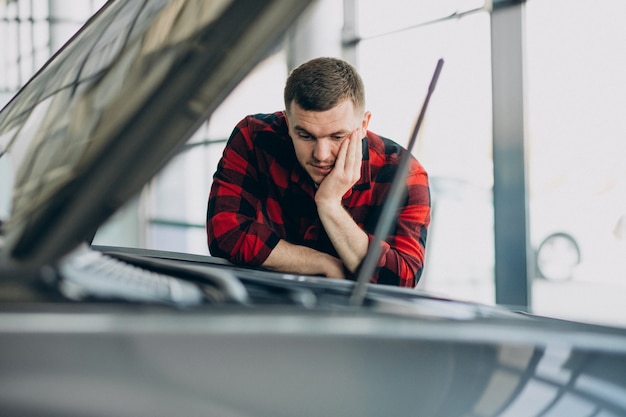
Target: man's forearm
x=349 y=240
x=287 y=257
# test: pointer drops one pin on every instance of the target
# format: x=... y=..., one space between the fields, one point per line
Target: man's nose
x=322 y=150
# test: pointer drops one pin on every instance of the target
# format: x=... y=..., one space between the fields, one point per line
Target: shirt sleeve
x=402 y=255
x=236 y=225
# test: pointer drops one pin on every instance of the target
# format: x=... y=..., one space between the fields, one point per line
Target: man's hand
x=287 y=257
x=348 y=239
x=332 y=267
x=346 y=236
x=345 y=173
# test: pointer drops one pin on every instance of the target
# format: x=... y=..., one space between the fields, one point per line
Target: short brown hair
x=322 y=83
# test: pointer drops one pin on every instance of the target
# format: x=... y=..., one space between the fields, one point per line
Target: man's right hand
x=333 y=267
x=297 y=259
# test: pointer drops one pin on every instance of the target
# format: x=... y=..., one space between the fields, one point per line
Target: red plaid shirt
x=261 y=194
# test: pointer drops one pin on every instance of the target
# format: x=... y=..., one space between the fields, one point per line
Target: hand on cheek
x=354 y=156
x=346 y=172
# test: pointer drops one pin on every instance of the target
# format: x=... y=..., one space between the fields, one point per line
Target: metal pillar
x=510 y=204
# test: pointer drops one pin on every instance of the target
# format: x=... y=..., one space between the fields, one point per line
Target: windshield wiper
x=396 y=194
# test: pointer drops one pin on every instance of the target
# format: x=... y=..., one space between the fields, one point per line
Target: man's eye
x=339 y=137
x=304 y=136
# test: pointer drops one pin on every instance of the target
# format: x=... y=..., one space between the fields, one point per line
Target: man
x=301 y=191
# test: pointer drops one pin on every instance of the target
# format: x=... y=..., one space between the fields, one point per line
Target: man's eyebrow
x=338 y=133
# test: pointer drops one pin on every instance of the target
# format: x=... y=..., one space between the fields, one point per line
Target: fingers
x=350 y=154
x=342 y=155
x=334 y=269
x=346 y=171
x=354 y=155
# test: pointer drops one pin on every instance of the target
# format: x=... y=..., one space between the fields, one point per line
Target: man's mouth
x=322 y=169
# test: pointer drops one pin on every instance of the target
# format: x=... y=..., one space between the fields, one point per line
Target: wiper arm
x=396 y=194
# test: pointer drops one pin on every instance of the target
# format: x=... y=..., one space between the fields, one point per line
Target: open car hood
x=112 y=106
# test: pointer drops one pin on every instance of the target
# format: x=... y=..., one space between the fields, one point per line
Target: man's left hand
x=345 y=173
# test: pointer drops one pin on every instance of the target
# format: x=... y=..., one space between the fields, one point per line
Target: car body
x=81 y=339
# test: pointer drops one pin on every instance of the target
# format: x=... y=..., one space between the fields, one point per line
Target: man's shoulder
x=383 y=149
x=386 y=153
x=265 y=122
x=264 y=135
x=259 y=131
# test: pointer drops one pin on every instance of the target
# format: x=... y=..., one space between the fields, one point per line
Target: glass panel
x=173 y=238
x=180 y=191
x=577 y=176
x=454 y=145
x=399 y=14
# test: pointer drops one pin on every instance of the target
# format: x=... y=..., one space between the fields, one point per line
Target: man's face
x=317 y=135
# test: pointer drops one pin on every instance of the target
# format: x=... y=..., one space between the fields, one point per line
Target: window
x=454 y=144
x=178 y=196
x=576 y=78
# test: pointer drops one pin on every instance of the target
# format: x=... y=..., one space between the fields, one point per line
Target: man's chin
x=317 y=176
x=317 y=179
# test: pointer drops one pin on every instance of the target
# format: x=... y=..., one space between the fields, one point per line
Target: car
x=88 y=330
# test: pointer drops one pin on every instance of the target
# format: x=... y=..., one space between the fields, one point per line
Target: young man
x=301 y=191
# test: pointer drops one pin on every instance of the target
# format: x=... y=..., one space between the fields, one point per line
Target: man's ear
x=367 y=116
x=286 y=113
